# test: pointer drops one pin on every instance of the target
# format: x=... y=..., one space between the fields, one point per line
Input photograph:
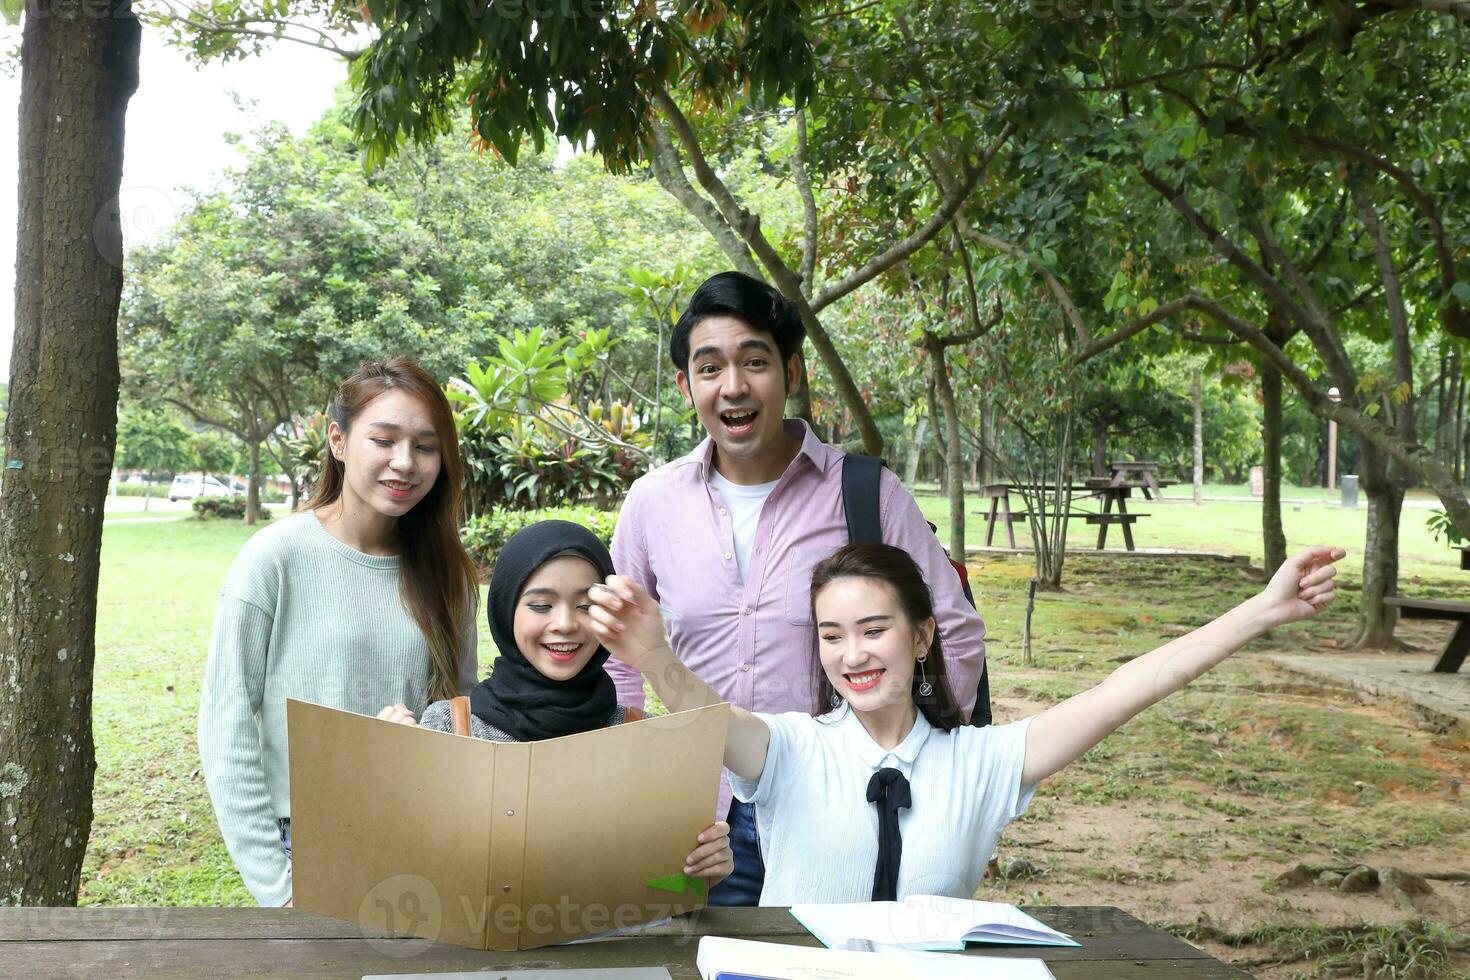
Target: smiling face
x=867 y=644
x=737 y=384
x=551 y=626
x=390 y=455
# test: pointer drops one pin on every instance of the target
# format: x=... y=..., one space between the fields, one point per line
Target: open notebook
x=925 y=922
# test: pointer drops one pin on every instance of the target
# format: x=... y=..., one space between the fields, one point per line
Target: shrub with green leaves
x=224 y=507
x=484 y=534
x=139 y=490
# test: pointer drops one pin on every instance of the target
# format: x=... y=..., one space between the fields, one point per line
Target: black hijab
x=517 y=698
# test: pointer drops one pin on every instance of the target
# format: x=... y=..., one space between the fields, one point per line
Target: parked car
x=187 y=487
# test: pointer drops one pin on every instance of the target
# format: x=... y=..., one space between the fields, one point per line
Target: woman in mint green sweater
x=365 y=598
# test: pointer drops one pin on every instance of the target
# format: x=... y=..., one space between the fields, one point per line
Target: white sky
x=175 y=135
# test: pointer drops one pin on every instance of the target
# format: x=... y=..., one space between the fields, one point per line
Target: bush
x=536 y=467
x=483 y=534
x=139 y=490
x=225 y=507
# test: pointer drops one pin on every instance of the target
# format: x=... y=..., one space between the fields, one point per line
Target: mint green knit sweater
x=300 y=615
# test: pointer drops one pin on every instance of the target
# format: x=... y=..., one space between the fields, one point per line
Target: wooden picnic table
x=1457 y=647
x=174 y=944
x=1143 y=474
x=1000 y=508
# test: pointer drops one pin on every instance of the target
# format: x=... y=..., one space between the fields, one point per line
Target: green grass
x=1226 y=527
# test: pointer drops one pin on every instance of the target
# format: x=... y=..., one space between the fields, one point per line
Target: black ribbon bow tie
x=890 y=790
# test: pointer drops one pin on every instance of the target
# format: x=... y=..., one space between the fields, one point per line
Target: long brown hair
x=893 y=567
x=437 y=580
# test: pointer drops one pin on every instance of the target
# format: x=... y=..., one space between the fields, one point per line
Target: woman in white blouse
x=883 y=772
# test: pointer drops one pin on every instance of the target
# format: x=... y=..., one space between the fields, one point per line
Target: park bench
x=1458 y=645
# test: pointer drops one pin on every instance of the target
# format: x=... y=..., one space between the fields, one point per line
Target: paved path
x=1401 y=676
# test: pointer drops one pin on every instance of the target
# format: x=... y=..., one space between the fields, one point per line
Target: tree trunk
x=987 y=443
x=953 y=463
x=916 y=450
x=1271 y=530
x=1199 y=440
x=1376 y=621
x=798 y=402
x=147 y=492
x=1462 y=436
x=252 y=495
x=937 y=423
x=1100 y=445
x=1444 y=389
x=78 y=70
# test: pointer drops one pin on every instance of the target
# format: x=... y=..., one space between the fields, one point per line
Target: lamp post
x=1335 y=396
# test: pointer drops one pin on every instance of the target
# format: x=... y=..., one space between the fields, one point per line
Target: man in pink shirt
x=725 y=538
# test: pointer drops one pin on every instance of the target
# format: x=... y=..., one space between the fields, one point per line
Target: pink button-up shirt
x=753 y=640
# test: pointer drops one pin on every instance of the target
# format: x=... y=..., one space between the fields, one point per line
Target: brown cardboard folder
x=498 y=845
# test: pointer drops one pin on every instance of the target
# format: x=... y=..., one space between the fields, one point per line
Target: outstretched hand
x=626 y=620
x=1302 y=586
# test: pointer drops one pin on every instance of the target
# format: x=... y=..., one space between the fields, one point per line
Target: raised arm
x=627 y=621
x=1301 y=587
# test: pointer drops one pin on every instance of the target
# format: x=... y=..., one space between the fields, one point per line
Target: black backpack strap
x=860 y=477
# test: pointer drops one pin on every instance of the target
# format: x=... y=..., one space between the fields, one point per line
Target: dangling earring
x=925 y=688
x=835 y=700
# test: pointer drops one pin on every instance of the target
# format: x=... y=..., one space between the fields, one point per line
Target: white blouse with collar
x=819 y=833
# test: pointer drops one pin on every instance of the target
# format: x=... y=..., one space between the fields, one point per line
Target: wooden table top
x=163 y=944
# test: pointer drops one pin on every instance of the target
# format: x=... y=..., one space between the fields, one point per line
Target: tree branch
x=1454 y=317
x=902 y=249
x=785 y=279
x=1158 y=314
x=808 y=205
x=194 y=19
x=200 y=416
x=1398 y=317
x=1321 y=330
x=668 y=170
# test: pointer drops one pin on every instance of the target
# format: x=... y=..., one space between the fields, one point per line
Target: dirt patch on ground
x=1212 y=857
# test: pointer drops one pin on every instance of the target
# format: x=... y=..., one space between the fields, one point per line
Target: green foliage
x=308 y=448
x=213 y=452
x=224 y=507
x=529 y=435
x=589 y=80
x=151 y=439
x=540 y=465
x=1440 y=525
x=127 y=489
x=484 y=533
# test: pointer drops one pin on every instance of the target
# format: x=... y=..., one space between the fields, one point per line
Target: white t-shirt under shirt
x=745 y=503
x=819 y=833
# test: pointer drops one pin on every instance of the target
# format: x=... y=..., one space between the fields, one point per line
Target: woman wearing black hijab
x=547 y=679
